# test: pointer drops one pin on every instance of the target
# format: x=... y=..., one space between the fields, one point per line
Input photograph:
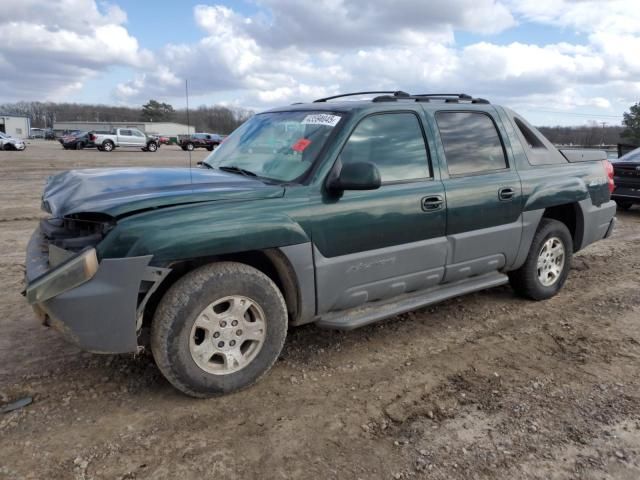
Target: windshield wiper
x=241 y=171
x=204 y=164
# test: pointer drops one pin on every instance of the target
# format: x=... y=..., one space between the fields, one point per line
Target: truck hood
x=121 y=191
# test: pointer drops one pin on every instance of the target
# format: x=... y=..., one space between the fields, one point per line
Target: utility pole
x=604 y=124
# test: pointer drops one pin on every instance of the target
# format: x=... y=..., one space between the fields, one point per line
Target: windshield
x=279 y=146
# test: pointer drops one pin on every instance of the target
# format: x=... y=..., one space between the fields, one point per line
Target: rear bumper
x=599 y=221
x=627 y=193
x=100 y=314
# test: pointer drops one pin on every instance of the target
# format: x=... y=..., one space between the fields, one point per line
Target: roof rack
x=393 y=92
x=426 y=97
x=393 y=96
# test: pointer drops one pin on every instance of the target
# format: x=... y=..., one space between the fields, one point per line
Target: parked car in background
x=161 y=139
x=10 y=143
x=36 y=133
x=49 y=134
x=626 y=171
x=199 y=140
x=77 y=141
x=126 y=138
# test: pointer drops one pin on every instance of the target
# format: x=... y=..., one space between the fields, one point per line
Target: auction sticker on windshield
x=321 y=119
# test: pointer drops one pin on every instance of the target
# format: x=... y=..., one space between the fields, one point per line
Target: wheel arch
x=572 y=216
x=273 y=262
x=569 y=213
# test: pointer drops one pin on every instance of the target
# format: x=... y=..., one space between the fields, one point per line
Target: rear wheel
x=547 y=266
x=108 y=146
x=79 y=146
x=152 y=147
x=623 y=205
x=218 y=329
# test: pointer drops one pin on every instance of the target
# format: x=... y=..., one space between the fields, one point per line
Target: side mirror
x=356 y=176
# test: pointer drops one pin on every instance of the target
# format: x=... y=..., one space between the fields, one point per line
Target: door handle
x=434 y=202
x=506 y=193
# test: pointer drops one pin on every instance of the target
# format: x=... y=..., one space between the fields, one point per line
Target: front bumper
x=101 y=314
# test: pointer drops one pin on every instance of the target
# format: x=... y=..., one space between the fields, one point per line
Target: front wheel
x=547 y=265
x=218 y=329
x=79 y=146
x=190 y=147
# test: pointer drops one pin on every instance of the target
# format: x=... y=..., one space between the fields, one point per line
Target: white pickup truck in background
x=124 y=137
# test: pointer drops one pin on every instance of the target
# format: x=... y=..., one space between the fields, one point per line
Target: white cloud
x=384 y=48
x=50 y=48
x=294 y=51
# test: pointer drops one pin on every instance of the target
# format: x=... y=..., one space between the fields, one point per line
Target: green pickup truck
x=337 y=212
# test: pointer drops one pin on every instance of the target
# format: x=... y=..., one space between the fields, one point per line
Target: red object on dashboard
x=301 y=144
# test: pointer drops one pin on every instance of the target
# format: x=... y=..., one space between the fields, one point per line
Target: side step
x=376 y=311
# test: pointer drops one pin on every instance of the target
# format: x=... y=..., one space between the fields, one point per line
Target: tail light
x=92 y=137
x=608 y=168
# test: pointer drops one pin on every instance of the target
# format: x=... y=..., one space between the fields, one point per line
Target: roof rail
x=393 y=92
x=460 y=96
x=394 y=95
x=426 y=97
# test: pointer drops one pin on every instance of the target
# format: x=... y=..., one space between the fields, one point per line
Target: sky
x=558 y=62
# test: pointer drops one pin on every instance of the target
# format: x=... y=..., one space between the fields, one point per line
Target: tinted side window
x=137 y=133
x=125 y=132
x=393 y=142
x=471 y=142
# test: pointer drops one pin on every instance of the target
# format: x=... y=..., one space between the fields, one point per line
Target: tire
x=107 y=146
x=623 y=205
x=210 y=148
x=526 y=281
x=175 y=330
x=152 y=146
x=79 y=146
x=100 y=149
x=190 y=147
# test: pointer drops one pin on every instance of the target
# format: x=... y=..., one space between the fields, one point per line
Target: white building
x=15 y=125
x=166 y=129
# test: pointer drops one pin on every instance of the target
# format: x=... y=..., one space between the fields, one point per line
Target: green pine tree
x=632 y=122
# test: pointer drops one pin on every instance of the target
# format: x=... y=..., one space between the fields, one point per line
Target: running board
x=376 y=311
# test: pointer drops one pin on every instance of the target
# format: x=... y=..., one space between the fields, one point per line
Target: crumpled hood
x=121 y=191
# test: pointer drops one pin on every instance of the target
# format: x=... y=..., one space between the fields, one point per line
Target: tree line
x=220 y=119
x=214 y=119
x=592 y=134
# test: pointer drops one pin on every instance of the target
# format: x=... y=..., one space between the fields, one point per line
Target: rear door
x=483 y=194
x=124 y=137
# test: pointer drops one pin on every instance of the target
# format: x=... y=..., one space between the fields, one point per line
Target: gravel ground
x=487 y=386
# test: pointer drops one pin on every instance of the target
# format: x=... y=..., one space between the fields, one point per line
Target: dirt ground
x=488 y=386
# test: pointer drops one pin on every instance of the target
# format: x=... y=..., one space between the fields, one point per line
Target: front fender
x=182 y=235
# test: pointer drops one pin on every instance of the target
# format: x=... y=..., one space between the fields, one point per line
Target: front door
x=376 y=244
x=138 y=138
x=483 y=194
